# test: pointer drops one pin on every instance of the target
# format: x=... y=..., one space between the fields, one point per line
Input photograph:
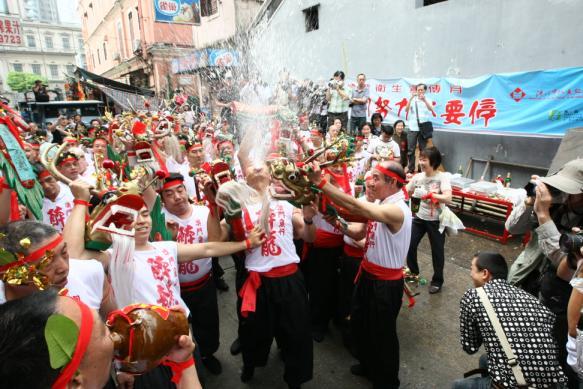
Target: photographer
x=41 y=94
x=338 y=97
x=555 y=206
x=572 y=244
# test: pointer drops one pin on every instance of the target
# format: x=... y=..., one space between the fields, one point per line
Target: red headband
x=390 y=174
x=68 y=159
x=44 y=174
x=35 y=255
x=172 y=184
x=80 y=348
x=70 y=140
x=195 y=146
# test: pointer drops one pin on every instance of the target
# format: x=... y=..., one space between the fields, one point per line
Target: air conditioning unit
x=116 y=57
x=137 y=45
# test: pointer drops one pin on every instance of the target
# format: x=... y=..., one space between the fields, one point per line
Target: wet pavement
x=431 y=355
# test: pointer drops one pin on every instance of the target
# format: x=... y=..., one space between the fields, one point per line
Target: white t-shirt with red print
x=279 y=249
x=156 y=276
x=192 y=230
x=56 y=213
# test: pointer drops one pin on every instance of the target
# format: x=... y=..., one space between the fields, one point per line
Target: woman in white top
x=434 y=189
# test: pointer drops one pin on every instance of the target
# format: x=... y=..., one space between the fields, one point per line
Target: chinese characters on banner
x=539 y=102
x=10 y=32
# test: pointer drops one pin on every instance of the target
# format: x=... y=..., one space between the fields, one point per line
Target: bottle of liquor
x=507 y=180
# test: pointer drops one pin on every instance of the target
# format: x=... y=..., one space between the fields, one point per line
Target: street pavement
x=431 y=354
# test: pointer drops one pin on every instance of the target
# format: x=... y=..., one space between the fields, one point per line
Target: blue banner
x=539 y=102
x=177 y=11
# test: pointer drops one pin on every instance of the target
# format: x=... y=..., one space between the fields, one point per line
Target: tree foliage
x=23 y=82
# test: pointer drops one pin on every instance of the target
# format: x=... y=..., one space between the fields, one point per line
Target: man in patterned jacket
x=526 y=322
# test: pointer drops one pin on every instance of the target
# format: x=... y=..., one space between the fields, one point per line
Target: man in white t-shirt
x=378 y=294
x=189 y=223
x=58 y=200
x=419 y=110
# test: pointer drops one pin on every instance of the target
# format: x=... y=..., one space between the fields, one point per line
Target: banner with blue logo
x=177 y=11
x=544 y=103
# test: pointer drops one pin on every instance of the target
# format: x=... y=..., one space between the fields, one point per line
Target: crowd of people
x=312 y=202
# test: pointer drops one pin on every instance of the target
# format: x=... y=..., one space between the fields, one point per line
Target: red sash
x=249 y=290
x=352 y=251
x=193 y=286
x=378 y=272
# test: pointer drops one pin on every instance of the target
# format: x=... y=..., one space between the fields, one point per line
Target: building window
x=66 y=42
x=17 y=67
x=70 y=69
x=54 y=70
x=120 y=39
x=49 y=42
x=80 y=43
x=131 y=24
x=208 y=7
x=311 y=18
x=4 y=7
x=36 y=68
x=30 y=41
x=98 y=57
x=431 y=2
x=104 y=52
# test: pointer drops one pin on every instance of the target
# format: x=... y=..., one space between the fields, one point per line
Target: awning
x=128 y=97
x=112 y=83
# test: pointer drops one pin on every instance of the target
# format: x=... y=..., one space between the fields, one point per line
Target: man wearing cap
x=189 y=221
x=556 y=207
x=378 y=293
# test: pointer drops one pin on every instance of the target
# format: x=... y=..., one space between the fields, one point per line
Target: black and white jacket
x=528 y=326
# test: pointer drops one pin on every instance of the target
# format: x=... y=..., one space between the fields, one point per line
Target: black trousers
x=218 y=271
x=414 y=137
x=348 y=270
x=437 y=241
x=322 y=279
x=281 y=312
x=204 y=311
x=375 y=308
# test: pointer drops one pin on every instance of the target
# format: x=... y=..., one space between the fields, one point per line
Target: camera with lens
x=333 y=84
x=571 y=242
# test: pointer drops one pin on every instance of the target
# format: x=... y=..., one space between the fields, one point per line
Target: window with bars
x=54 y=71
x=49 y=42
x=209 y=7
x=70 y=69
x=66 y=42
x=311 y=18
x=17 y=67
x=30 y=41
x=36 y=68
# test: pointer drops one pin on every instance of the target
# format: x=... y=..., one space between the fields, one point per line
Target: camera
x=333 y=84
x=571 y=242
x=530 y=189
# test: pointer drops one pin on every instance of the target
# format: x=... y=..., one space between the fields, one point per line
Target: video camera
x=571 y=242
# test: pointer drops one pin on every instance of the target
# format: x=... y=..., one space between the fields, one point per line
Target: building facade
x=125 y=42
x=44 y=44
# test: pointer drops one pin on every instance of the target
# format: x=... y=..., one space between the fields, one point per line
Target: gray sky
x=68 y=11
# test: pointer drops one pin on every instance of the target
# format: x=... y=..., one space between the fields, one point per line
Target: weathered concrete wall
x=395 y=38
x=455 y=38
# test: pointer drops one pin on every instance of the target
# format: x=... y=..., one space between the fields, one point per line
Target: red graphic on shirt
x=269 y=247
x=370 y=235
x=188 y=268
x=453 y=112
x=161 y=272
x=185 y=234
x=56 y=217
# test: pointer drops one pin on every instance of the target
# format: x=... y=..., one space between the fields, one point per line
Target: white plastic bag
x=449 y=221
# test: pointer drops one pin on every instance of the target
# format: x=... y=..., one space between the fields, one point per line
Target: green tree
x=23 y=82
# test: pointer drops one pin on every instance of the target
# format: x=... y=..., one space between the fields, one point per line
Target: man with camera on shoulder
x=554 y=205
